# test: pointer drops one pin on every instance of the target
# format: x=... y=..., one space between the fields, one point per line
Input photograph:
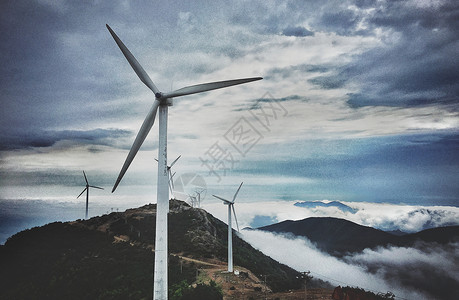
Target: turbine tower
x=230 y=229
x=87 y=193
x=161 y=102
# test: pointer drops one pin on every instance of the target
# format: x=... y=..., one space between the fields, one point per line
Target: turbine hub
x=158 y=95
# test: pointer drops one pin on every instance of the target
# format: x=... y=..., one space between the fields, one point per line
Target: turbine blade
x=173 y=163
x=143 y=132
x=235 y=218
x=224 y=200
x=85 y=178
x=133 y=62
x=235 y=195
x=204 y=87
x=170 y=188
x=172 y=181
x=93 y=186
x=81 y=193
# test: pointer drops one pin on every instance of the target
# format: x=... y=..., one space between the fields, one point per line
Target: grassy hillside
x=111 y=257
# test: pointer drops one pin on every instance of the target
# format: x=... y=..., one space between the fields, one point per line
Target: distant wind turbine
x=193 y=200
x=230 y=228
x=162 y=102
x=87 y=193
x=170 y=174
x=198 y=193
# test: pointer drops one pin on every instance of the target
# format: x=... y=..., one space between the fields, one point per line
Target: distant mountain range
x=339 y=236
x=314 y=204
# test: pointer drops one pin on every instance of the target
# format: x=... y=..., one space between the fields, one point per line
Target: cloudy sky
x=359 y=100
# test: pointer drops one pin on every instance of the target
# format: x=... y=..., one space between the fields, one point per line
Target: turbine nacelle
x=164 y=100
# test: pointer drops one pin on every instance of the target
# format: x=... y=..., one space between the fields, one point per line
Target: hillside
x=339 y=236
x=336 y=236
x=111 y=257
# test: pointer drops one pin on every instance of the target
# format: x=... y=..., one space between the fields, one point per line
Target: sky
x=359 y=103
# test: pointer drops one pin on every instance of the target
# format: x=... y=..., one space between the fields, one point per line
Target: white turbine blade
x=235 y=218
x=93 y=186
x=81 y=193
x=235 y=195
x=172 y=181
x=224 y=200
x=134 y=63
x=170 y=188
x=85 y=177
x=204 y=87
x=143 y=132
x=173 y=163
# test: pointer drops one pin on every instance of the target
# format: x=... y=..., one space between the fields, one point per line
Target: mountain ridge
x=340 y=237
x=116 y=251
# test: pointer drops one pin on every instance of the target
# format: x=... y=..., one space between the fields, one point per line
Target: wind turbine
x=162 y=102
x=170 y=174
x=198 y=193
x=230 y=228
x=192 y=200
x=87 y=193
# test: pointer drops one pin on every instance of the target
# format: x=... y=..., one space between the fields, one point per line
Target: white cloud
x=302 y=255
x=385 y=216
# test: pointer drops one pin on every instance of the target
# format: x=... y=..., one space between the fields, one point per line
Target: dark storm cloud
x=49 y=138
x=298 y=31
x=328 y=82
x=416 y=65
x=56 y=65
x=343 y=22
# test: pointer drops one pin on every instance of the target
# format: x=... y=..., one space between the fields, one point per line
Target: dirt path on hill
x=243 y=284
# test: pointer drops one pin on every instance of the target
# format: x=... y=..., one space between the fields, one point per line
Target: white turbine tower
x=161 y=103
x=87 y=193
x=230 y=228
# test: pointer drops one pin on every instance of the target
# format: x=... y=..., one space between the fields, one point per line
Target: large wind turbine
x=161 y=103
x=87 y=193
x=230 y=228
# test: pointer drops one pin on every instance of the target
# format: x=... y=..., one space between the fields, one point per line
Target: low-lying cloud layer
x=427 y=271
x=384 y=216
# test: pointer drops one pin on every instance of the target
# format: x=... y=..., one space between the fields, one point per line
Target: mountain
x=335 y=236
x=339 y=236
x=397 y=232
x=111 y=257
x=314 y=204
